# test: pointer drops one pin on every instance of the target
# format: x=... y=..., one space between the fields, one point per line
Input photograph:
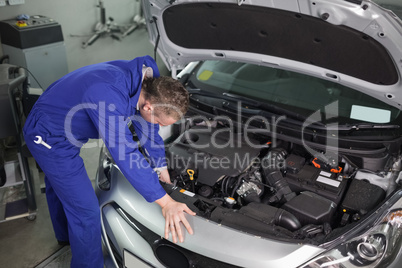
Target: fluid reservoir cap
x=205 y=191
x=230 y=200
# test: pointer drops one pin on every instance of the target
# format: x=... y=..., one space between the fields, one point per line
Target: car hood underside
x=352 y=42
x=280 y=33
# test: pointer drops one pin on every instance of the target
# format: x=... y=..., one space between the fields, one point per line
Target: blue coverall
x=92 y=102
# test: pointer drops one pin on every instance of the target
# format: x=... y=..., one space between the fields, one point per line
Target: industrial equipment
x=15 y=102
x=36 y=43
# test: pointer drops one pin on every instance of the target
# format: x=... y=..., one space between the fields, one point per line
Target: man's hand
x=174 y=214
x=164 y=176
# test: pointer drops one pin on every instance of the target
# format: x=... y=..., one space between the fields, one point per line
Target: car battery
x=305 y=177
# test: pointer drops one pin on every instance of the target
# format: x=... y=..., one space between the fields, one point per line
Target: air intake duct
x=271 y=168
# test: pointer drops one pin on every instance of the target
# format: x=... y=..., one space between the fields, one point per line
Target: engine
x=250 y=183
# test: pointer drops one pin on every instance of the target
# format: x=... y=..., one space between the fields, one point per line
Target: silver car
x=290 y=153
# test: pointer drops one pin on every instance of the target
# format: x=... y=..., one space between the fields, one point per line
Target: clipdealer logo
x=112 y=129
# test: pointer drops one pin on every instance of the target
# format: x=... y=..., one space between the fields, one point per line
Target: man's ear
x=148 y=107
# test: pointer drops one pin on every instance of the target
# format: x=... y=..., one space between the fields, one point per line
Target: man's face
x=161 y=119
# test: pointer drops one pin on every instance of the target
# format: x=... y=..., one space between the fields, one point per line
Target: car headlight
x=374 y=242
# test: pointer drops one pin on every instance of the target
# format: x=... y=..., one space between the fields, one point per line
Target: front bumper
x=131 y=223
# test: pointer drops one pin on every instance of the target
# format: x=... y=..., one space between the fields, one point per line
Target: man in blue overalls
x=99 y=101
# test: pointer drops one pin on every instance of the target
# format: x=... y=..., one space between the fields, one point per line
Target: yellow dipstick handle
x=190 y=172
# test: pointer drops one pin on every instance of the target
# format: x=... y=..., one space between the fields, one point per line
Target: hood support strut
x=154 y=19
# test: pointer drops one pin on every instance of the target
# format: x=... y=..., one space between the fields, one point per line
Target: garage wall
x=78 y=19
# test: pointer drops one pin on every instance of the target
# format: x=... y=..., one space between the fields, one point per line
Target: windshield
x=394 y=5
x=293 y=91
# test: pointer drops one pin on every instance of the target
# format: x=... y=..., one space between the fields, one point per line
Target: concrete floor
x=25 y=243
x=31 y=243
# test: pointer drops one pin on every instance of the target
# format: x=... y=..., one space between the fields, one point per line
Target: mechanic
x=95 y=101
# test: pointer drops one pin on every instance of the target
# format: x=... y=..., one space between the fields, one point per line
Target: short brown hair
x=167 y=94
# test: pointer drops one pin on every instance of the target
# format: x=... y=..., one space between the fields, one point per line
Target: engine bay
x=278 y=189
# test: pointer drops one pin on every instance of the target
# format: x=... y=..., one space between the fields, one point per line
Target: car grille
x=168 y=253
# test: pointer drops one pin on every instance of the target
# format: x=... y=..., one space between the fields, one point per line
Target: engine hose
x=286 y=220
x=275 y=160
x=224 y=186
x=280 y=185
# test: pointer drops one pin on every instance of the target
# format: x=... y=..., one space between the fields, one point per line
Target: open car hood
x=353 y=42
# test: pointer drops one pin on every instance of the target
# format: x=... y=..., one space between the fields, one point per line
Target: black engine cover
x=211 y=153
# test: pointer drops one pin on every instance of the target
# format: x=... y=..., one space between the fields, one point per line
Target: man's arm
x=131 y=162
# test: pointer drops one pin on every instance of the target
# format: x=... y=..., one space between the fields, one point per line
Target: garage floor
x=25 y=243
x=28 y=244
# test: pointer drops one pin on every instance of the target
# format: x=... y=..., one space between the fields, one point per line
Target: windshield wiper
x=265 y=106
x=255 y=107
x=367 y=126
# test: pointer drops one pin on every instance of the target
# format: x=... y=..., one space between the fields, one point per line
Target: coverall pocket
x=60 y=158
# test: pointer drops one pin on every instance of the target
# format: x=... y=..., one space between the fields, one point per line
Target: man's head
x=166 y=98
